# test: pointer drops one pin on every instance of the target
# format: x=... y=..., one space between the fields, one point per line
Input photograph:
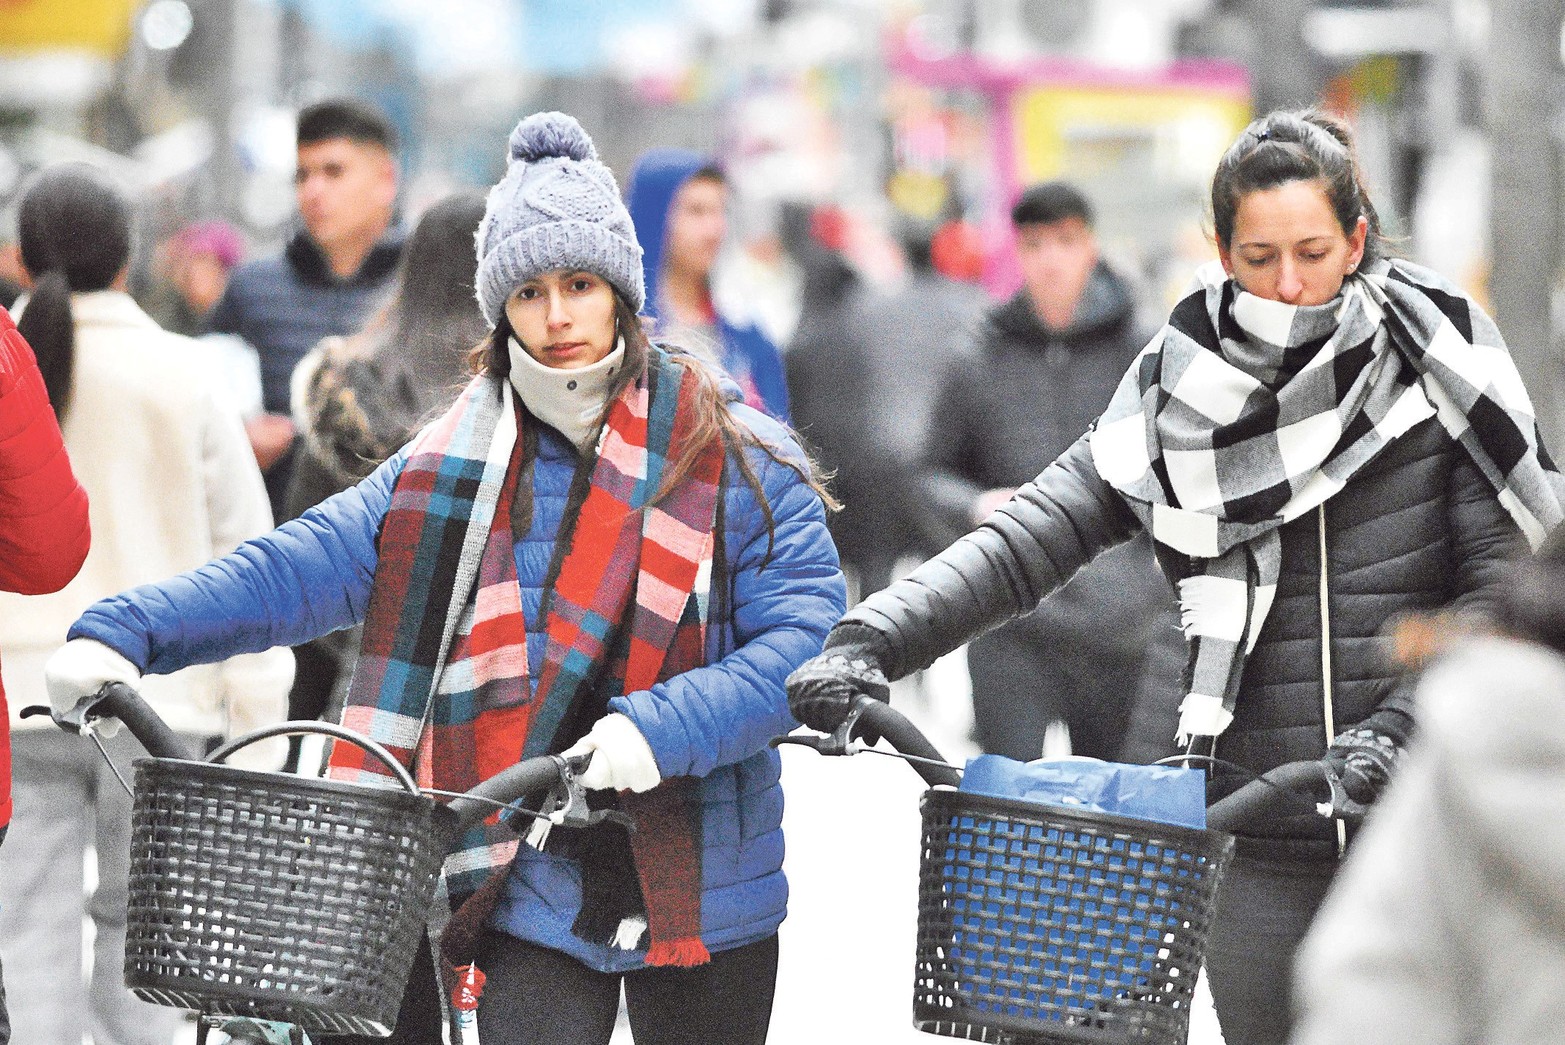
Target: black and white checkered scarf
x=1243 y=414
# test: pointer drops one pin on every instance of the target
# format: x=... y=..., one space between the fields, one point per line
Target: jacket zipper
x=1325 y=662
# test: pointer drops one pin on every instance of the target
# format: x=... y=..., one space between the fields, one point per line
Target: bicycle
x=1041 y=925
x=275 y=906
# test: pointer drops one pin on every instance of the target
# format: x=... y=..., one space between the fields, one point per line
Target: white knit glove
x=79 y=669
x=621 y=758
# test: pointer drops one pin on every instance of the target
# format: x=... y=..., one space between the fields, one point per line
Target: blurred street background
x=938 y=109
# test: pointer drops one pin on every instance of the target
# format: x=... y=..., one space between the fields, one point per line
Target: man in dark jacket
x=1102 y=656
x=332 y=273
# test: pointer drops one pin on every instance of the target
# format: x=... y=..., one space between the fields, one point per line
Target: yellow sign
x=1058 y=128
x=100 y=26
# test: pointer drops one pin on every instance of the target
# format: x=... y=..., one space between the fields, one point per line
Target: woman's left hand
x=621 y=757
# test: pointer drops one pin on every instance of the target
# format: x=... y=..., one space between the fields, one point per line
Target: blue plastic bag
x=1164 y=794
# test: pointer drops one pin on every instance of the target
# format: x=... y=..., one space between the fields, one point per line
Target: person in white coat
x=1447 y=924
x=171 y=483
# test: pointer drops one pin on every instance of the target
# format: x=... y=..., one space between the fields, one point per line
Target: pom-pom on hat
x=557 y=207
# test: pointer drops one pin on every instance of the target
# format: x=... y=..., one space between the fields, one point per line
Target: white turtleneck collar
x=569 y=401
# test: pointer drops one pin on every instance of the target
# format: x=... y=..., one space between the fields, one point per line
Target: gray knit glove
x=1362 y=762
x=821 y=692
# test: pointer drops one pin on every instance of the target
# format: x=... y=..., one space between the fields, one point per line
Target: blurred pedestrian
x=194 y=265
x=44 y=530
x=172 y=483
x=1319 y=439
x=197 y=261
x=1444 y=926
x=829 y=383
x=913 y=335
x=358 y=399
x=333 y=273
x=678 y=200
x=1038 y=370
x=652 y=560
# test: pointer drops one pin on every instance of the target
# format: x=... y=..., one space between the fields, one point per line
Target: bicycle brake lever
x=73 y=721
x=571 y=809
x=77 y=720
x=839 y=741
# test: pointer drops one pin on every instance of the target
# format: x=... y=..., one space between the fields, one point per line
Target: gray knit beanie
x=557 y=207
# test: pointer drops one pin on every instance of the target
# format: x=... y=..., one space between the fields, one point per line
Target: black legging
x=1264 y=909
x=543 y=997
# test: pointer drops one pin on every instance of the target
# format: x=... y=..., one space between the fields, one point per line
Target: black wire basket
x=279 y=897
x=1045 y=926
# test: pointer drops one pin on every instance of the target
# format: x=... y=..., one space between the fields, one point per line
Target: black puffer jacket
x=1418 y=527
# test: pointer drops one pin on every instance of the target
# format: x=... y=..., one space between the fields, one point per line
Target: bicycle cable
x=511 y=806
x=910 y=758
x=1244 y=771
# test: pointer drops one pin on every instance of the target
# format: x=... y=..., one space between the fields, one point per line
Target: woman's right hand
x=821 y=691
x=78 y=670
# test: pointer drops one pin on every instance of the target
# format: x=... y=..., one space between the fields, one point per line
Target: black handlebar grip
x=525 y=782
x=125 y=704
x=907 y=738
x=1278 y=792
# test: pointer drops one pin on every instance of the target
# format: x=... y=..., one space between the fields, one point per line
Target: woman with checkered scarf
x=1320 y=439
x=596 y=549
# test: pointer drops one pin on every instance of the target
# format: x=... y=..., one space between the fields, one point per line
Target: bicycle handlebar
x=523 y=783
x=1269 y=793
x=866 y=714
x=553 y=779
x=1304 y=784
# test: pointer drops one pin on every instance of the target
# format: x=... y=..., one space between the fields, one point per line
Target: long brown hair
x=713 y=422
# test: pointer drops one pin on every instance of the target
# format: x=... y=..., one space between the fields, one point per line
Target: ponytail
x=73 y=226
x=47 y=326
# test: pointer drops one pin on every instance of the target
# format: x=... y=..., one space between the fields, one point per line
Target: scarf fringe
x=683 y=953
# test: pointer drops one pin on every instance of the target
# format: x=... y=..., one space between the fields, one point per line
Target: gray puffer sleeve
x=1030 y=546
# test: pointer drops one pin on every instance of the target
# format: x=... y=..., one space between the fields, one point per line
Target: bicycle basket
x=277 y=897
x=1045 y=926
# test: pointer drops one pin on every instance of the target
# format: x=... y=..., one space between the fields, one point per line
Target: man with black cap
x=1096 y=668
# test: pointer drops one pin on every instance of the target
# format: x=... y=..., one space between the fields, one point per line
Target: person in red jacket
x=43 y=514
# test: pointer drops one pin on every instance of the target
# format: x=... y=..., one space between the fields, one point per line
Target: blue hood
x=654 y=180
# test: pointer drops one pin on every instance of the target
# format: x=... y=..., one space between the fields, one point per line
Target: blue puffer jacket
x=313 y=575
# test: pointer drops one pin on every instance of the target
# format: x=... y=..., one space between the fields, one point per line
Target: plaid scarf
x=443 y=678
x=1243 y=414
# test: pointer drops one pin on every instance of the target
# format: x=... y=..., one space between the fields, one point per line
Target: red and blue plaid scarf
x=443 y=679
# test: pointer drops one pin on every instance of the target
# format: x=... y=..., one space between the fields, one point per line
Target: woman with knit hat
x=594 y=549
